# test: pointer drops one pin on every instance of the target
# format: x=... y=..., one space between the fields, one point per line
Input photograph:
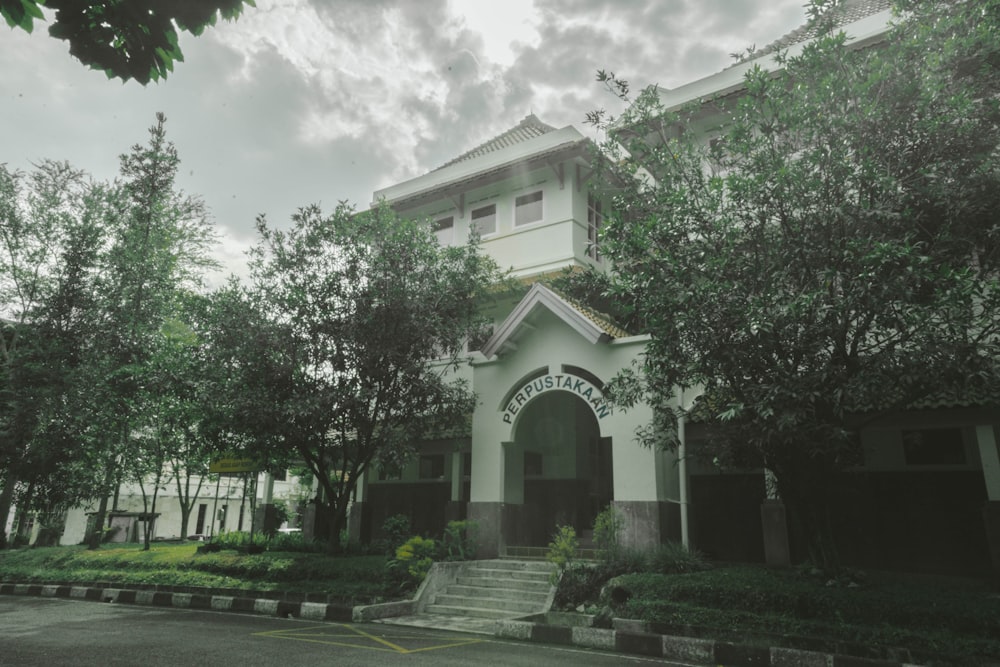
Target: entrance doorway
x=564 y=464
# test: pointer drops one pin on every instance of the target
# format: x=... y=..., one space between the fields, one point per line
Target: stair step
x=536 y=595
x=515 y=565
x=509 y=575
x=474 y=612
x=504 y=583
x=499 y=604
x=585 y=551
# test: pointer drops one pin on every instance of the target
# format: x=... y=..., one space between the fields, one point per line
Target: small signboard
x=232 y=466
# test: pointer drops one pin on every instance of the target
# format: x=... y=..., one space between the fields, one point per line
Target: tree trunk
x=22 y=536
x=185 y=517
x=805 y=490
x=338 y=518
x=6 y=500
x=97 y=536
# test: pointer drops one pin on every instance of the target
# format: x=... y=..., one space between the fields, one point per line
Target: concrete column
x=356 y=532
x=642 y=522
x=513 y=474
x=456 y=476
x=774 y=524
x=455 y=510
x=268 y=493
x=489 y=516
x=987 y=440
x=266 y=518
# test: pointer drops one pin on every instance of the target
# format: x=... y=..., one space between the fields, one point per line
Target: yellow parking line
x=322 y=635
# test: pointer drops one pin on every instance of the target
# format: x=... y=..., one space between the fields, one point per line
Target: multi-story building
x=544 y=449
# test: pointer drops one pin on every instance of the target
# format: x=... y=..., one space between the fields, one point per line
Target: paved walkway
x=476 y=626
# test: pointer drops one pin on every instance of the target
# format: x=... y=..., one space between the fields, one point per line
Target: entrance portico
x=547 y=449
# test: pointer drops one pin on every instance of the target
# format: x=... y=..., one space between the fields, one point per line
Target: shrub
x=674 y=558
x=460 y=541
x=607 y=531
x=416 y=556
x=395 y=532
x=562 y=549
x=232 y=539
x=294 y=542
x=579 y=584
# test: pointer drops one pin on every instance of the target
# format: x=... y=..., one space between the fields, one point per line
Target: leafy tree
x=136 y=39
x=161 y=240
x=351 y=329
x=49 y=235
x=831 y=256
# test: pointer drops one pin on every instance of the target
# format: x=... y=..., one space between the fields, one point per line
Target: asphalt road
x=46 y=631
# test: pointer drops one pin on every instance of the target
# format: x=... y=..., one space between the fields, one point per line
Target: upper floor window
x=484 y=220
x=933 y=446
x=444 y=230
x=595 y=218
x=528 y=208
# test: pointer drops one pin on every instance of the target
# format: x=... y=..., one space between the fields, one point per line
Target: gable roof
x=864 y=21
x=840 y=15
x=529 y=128
x=593 y=326
x=528 y=145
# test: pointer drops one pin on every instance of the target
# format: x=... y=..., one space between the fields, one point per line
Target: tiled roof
x=600 y=320
x=842 y=14
x=529 y=128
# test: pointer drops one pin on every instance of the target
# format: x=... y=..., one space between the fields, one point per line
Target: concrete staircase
x=495 y=589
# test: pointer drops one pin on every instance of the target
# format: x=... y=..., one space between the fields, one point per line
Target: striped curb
x=266 y=606
x=634 y=637
x=687 y=649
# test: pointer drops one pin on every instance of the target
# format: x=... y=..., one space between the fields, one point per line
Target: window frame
x=533 y=198
x=595 y=220
x=473 y=218
x=443 y=223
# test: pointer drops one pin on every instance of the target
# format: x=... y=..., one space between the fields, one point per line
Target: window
x=432 y=466
x=389 y=472
x=594 y=219
x=280 y=475
x=444 y=230
x=934 y=446
x=532 y=464
x=528 y=208
x=484 y=220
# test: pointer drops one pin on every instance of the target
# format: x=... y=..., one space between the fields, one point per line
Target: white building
x=544 y=449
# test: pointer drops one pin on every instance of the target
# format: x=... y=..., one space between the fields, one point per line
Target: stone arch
x=543 y=381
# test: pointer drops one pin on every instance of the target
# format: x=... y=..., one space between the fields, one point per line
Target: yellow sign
x=232 y=466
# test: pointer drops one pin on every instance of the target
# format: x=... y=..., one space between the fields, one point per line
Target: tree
x=49 y=235
x=187 y=384
x=353 y=325
x=833 y=255
x=136 y=39
x=161 y=240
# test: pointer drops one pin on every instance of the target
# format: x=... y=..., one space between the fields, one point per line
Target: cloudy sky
x=305 y=101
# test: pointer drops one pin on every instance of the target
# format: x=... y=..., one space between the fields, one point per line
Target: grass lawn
x=940 y=620
x=348 y=578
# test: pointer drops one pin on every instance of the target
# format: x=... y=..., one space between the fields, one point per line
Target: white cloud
x=302 y=101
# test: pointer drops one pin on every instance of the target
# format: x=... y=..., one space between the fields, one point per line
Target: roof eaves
x=540 y=295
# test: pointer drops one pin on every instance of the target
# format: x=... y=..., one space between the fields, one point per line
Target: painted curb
x=633 y=640
x=628 y=636
x=200 y=601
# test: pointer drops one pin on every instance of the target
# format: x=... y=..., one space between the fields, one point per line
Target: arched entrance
x=562 y=464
